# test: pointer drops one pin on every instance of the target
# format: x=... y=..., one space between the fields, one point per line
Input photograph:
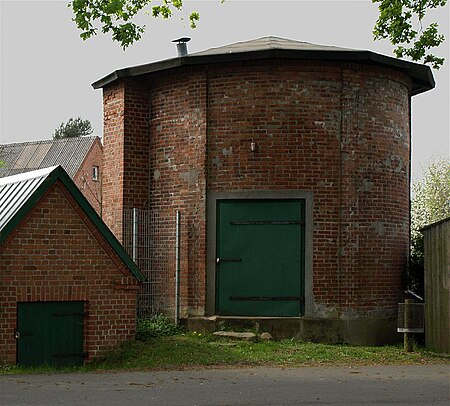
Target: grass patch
x=200 y=350
x=193 y=350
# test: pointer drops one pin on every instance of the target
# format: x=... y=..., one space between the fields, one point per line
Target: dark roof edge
x=436 y=223
x=60 y=174
x=421 y=75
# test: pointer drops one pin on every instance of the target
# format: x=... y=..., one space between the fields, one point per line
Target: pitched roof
x=264 y=43
x=29 y=156
x=274 y=47
x=20 y=193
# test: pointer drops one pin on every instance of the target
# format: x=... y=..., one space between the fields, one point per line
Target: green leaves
x=194 y=17
x=73 y=128
x=430 y=203
x=401 y=22
x=431 y=196
x=116 y=16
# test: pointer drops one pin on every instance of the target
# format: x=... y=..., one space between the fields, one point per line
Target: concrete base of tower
x=361 y=331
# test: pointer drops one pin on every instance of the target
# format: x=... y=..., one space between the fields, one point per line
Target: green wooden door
x=260 y=257
x=50 y=333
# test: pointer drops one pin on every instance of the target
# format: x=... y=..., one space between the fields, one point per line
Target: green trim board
x=20 y=193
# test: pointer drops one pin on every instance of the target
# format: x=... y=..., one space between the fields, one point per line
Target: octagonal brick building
x=290 y=165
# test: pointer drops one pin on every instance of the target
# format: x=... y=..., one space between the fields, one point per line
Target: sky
x=46 y=70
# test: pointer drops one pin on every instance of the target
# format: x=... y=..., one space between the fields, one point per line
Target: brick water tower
x=290 y=164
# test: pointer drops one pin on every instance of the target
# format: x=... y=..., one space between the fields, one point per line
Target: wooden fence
x=437 y=286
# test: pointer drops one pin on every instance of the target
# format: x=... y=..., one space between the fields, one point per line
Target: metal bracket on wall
x=265 y=222
x=266 y=298
x=219 y=260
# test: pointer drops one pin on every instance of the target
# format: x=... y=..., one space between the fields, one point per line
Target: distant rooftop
x=274 y=47
x=29 y=156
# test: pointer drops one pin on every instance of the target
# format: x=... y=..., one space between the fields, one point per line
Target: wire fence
x=149 y=239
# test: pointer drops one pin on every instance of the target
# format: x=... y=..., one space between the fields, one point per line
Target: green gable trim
x=22 y=212
x=60 y=174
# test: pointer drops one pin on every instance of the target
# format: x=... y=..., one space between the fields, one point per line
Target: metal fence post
x=408 y=341
x=135 y=234
x=177 y=267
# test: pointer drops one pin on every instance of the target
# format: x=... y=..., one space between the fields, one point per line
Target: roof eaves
x=138 y=70
x=420 y=74
x=112 y=77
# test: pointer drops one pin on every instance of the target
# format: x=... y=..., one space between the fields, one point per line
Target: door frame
x=54 y=306
x=211 y=225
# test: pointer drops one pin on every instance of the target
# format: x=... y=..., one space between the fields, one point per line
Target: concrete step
x=246 y=336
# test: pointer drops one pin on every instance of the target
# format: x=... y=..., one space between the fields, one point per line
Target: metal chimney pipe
x=181 y=46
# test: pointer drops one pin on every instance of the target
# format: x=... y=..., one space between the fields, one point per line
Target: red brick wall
x=340 y=130
x=56 y=254
x=113 y=154
x=125 y=150
x=91 y=188
x=178 y=122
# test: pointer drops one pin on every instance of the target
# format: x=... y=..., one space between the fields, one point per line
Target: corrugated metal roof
x=30 y=156
x=273 y=48
x=16 y=190
x=20 y=193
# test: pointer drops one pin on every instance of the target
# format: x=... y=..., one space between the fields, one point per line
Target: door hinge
x=266 y=298
x=219 y=260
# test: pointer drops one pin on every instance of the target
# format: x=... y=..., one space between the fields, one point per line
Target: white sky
x=46 y=70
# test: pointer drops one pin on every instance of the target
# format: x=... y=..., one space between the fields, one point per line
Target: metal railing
x=150 y=239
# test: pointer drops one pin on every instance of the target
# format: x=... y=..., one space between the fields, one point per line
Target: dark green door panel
x=260 y=257
x=51 y=333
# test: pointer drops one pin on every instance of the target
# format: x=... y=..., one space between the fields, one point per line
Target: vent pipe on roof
x=181 y=45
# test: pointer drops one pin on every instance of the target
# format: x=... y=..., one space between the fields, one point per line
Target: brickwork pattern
x=91 y=188
x=341 y=130
x=57 y=254
x=113 y=155
x=126 y=150
x=177 y=172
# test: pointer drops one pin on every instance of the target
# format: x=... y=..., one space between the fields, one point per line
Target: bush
x=157 y=326
x=430 y=203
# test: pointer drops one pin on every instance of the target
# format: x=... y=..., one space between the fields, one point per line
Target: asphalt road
x=374 y=385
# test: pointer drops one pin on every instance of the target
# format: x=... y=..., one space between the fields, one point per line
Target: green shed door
x=260 y=257
x=50 y=333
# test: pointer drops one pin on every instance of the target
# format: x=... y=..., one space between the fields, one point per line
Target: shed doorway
x=260 y=257
x=50 y=333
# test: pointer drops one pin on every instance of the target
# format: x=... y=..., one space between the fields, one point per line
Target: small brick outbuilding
x=67 y=287
x=290 y=164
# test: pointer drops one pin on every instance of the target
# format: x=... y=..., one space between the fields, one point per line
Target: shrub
x=157 y=326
